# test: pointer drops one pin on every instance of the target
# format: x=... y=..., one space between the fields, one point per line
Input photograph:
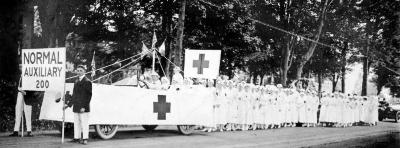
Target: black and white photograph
x=200 y=73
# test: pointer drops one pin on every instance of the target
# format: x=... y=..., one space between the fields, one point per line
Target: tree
x=324 y=56
x=381 y=29
x=312 y=45
x=341 y=28
x=222 y=25
x=11 y=17
x=298 y=17
x=261 y=63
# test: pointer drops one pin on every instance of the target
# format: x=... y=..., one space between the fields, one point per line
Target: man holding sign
x=41 y=70
x=82 y=94
x=23 y=106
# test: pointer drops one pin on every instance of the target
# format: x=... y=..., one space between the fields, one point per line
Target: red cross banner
x=138 y=106
x=202 y=63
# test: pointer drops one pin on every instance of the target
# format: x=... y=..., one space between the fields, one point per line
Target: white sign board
x=202 y=63
x=43 y=69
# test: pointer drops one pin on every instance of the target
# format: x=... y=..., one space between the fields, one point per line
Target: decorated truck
x=112 y=106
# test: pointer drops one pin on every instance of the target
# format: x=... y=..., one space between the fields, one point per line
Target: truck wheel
x=186 y=129
x=397 y=118
x=106 y=131
x=149 y=127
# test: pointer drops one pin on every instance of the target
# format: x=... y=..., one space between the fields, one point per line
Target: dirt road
x=168 y=137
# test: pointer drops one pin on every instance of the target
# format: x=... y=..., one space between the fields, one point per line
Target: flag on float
x=145 y=51
x=161 y=49
x=93 y=65
x=202 y=63
x=153 y=41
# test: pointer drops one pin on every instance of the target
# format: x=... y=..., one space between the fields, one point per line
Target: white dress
x=364 y=111
x=274 y=109
x=301 y=104
x=241 y=118
x=263 y=109
x=309 y=108
x=231 y=105
x=221 y=106
x=257 y=110
x=329 y=108
x=215 y=106
x=314 y=108
x=323 y=113
x=294 y=108
x=268 y=109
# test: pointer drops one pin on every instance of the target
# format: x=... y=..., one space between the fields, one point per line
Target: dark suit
x=30 y=97
x=81 y=95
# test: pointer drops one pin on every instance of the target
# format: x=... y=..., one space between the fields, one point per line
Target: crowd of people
x=245 y=106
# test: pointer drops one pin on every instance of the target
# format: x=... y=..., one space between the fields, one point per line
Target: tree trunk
x=334 y=83
x=344 y=52
x=48 y=19
x=254 y=81
x=262 y=80
x=285 y=64
x=335 y=79
x=311 y=49
x=166 y=27
x=27 y=22
x=272 y=78
x=179 y=39
x=365 y=70
x=319 y=83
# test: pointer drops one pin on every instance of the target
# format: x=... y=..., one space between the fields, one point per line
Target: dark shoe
x=74 y=140
x=14 y=134
x=29 y=134
x=84 y=141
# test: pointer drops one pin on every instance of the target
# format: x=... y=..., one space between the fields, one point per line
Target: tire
x=149 y=127
x=68 y=128
x=186 y=129
x=397 y=118
x=106 y=131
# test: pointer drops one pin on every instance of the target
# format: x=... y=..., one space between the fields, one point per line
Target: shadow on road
x=132 y=134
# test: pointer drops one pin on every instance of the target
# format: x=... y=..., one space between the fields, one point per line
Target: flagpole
x=23 y=113
x=153 y=48
x=63 y=117
x=154 y=60
x=23 y=106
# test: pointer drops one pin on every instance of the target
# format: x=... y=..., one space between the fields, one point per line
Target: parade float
x=121 y=104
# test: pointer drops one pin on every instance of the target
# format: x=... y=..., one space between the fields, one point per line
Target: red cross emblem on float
x=162 y=107
x=201 y=63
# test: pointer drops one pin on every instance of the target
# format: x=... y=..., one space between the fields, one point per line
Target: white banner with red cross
x=202 y=63
x=124 y=105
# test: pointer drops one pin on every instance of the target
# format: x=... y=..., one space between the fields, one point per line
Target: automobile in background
x=389 y=111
